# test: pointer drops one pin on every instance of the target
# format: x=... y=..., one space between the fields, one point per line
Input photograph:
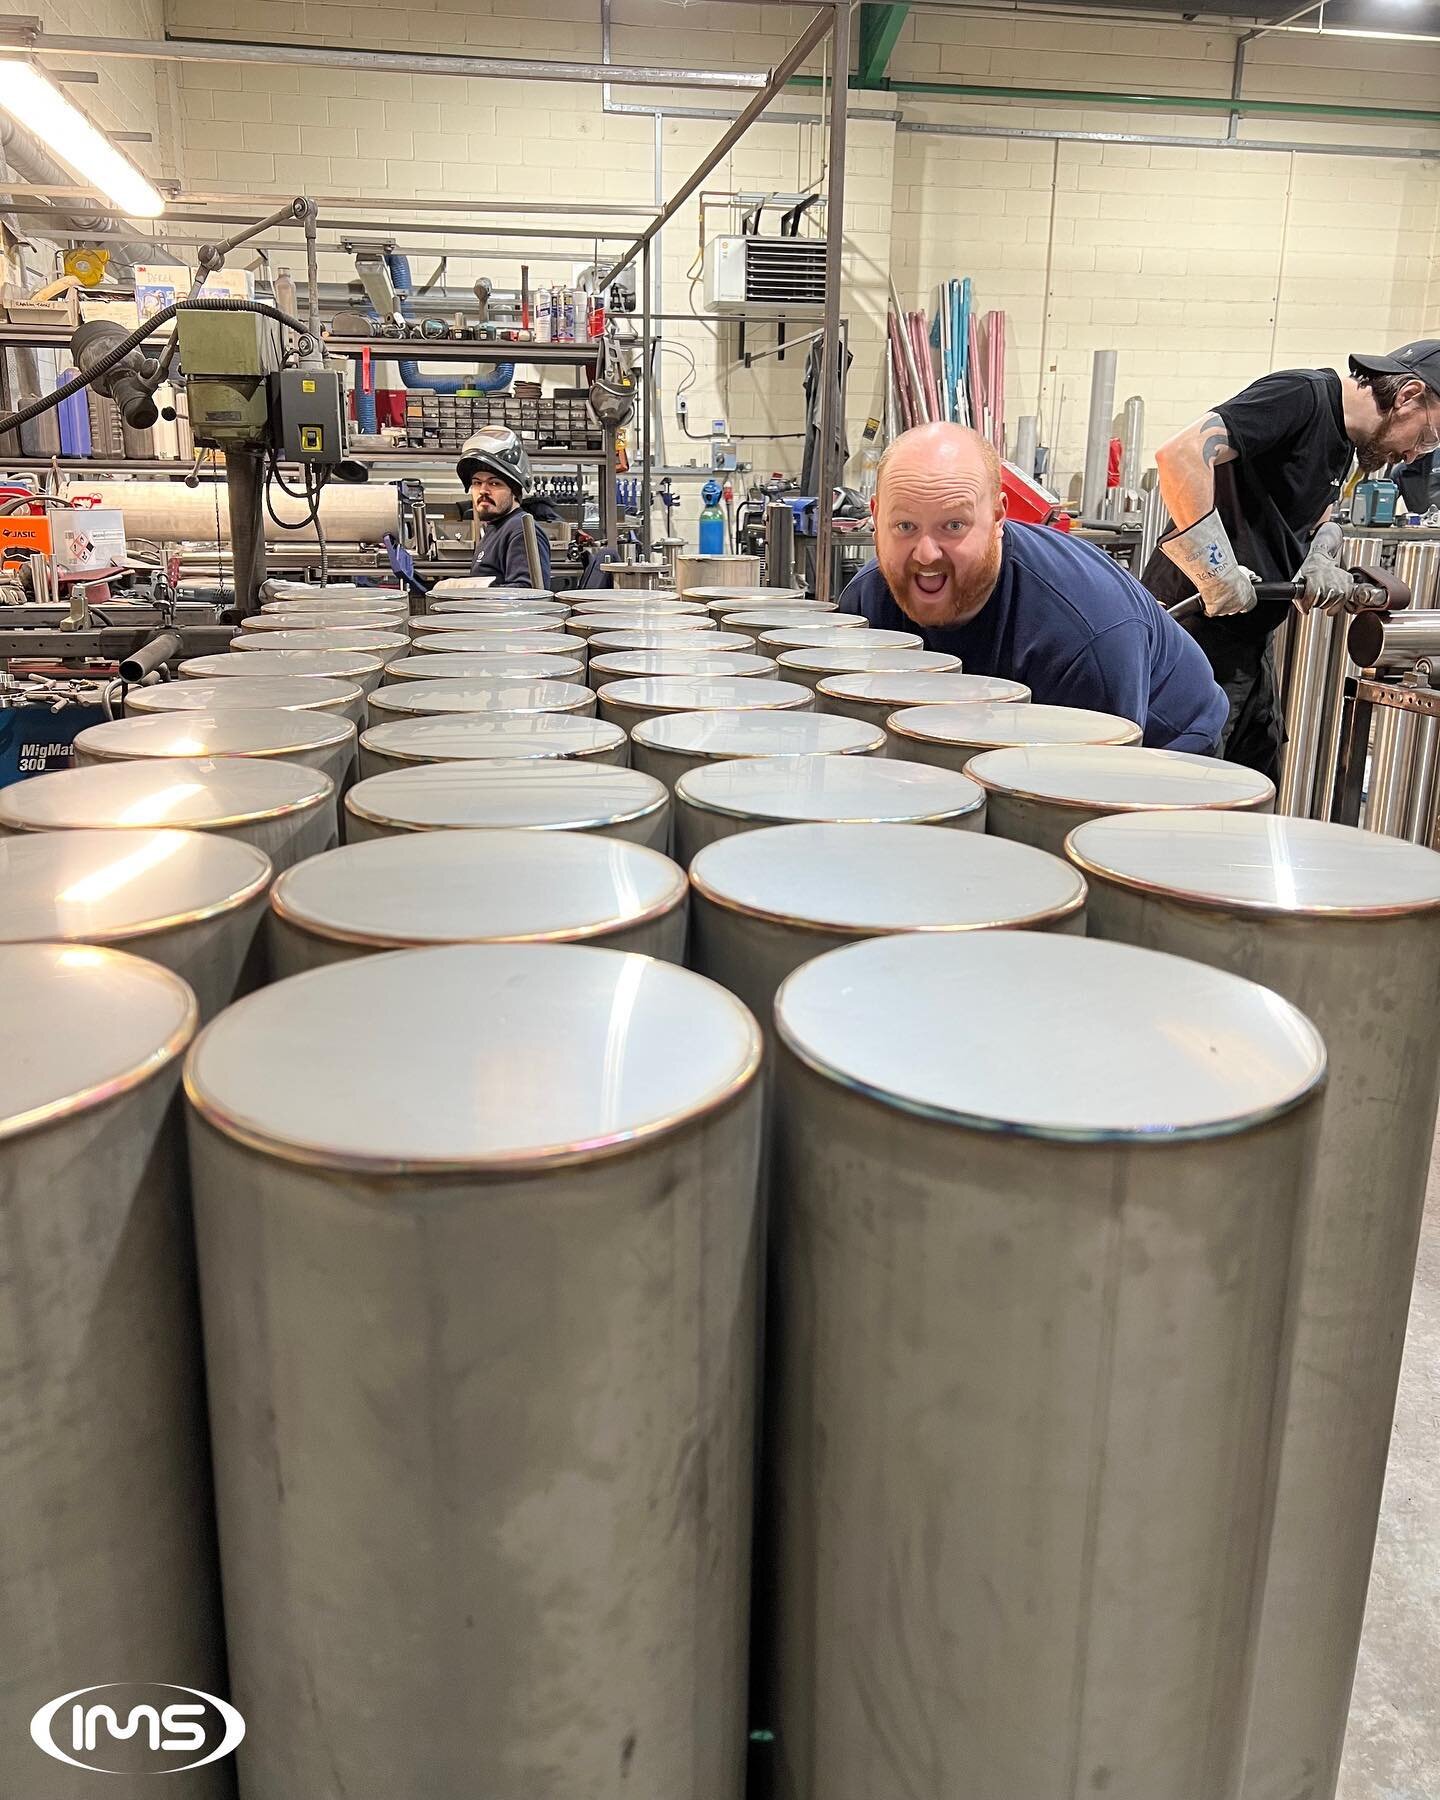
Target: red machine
x=1028 y=502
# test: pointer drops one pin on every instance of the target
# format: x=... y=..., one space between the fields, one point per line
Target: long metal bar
x=1391 y=754
x=820 y=24
x=832 y=349
x=1420 y=802
x=391 y=62
x=482 y=204
x=1305 y=712
x=647 y=404
x=1158 y=139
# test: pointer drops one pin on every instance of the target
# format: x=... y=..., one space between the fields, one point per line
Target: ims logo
x=130 y=1727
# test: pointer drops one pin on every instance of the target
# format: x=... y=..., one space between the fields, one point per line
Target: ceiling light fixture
x=33 y=101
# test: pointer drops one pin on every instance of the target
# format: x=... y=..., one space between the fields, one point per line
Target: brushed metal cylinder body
x=661 y=625
x=629 y=703
x=192 y=901
x=492 y=694
x=465 y=667
x=694 y=575
x=1306 y=712
x=463 y=737
x=107 y=1559
x=476 y=887
x=1392 y=763
x=798 y=607
x=632 y=608
x=531 y=796
x=516 y=624
x=556 y=609
x=466 y=587
x=874 y=697
x=607 y=643
x=1029 y=1319
x=748 y=793
x=729 y=593
x=1345 y=925
x=362 y=640
x=1039 y=796
x=669 y=746
x=364 y=671
x=823 y=635
x=274 y=588
x=1396 y=643
x=816 y=663
x=501 y=1337
x=290 y=693
x=491 y=643
x=284 y=810
x=951 y=735
x=760 y=620
x=388 y=607
x=768 y=900
x=314 y=740
x=1098 y=427
x=624 y=665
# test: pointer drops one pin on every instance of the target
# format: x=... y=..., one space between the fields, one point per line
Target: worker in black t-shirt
x=1251 y=487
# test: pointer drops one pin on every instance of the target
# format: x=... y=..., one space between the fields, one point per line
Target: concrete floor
x=1392 y=1751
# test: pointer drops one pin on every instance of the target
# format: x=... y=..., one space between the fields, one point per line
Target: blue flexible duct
x=410 y=374
x=367 y=419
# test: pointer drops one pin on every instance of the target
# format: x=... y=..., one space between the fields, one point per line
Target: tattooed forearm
x=1187 y=465
x=1214 y=439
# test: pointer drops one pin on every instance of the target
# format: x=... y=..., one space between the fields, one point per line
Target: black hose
x=134 y=340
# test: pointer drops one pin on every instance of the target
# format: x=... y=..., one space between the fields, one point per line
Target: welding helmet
x=496 y=449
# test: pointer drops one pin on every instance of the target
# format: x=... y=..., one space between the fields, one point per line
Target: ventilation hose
x=500 y=379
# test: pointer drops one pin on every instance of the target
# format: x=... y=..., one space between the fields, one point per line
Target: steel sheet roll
x=467 y=666
x=756 y=623
x=502 y=643
x=713 y=643
x=282 y=808
x=826 y=637
x=694 y=573
x=469 y=737
x=658 y=625
x=169 y=512
x=314 y=740
x=1347 y=926
x=629 y=703
x=1039 y=796
x=339 y=665
x=767 y=900
x=667 y=746
x=950 y=735
x=1030 y=1264
x=814 y=665
x=385 y=645
x=498 y=795
x=477 y=887
x=531 y=624
x=192 y=901
x=283 y=693
x=418 y=699
x=874 y=697
x=108 y=1557
x=622 y=665
x=727 y=591
x=747 y=793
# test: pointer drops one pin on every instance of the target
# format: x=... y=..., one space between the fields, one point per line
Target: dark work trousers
x=1243 y=662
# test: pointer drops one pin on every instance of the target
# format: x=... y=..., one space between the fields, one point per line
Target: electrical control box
x=307 y=415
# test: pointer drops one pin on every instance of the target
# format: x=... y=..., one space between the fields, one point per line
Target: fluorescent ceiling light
x=34 y=102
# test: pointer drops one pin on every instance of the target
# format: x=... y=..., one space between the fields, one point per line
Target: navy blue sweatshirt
x=502 y=553
x=1078 y=631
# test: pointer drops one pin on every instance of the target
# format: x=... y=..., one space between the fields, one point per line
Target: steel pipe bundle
x=629 y=703
x=667 y=746
x=1029 y=1255
x=282 y=808
x=495 y=694
x=479 y=1337
x=534 y=796
x=314 y=740
x=464 y=737
x=192 y=901
x=950 y=735
x=1039 y=796
x=746 y=793
x=476 y=887
x=107 y=1560
x=1346 y=925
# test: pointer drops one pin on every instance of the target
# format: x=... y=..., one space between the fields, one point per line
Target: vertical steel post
x=1391 y=754
x=1304 y=707
x=831 y=348
x=647 y=403
x=244 y=476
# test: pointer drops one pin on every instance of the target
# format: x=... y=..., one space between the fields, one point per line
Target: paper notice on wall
x=158 y=285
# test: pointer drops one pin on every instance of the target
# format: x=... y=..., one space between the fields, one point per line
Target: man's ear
x=1002 y=504
x=874 y=508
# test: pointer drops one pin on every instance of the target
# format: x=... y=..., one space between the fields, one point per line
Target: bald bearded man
x=1024 y=601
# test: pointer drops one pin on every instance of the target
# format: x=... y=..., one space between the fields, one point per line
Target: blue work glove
x=403 y=565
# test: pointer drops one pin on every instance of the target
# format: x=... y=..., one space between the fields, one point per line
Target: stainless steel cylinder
x=476 y=887
x=634 y=577
x=1039 y=796
x=1029 y=1257
x=816 y=664
x=694 y=574
x=1346 y=925
x=1396 y=643
x=1392 y=763
x=1424 y=796
x=714 y=643
x=580 y=597
x=1306 y=712
x=874 y=697
x=466 y=667
x=107 y=1560
x=339 y=627
x=747 y=793
x=492 y=643
x=466 y=587
x=632 y=608
x=192 y=901
x=662 y=625
x=827 y=637
x=756 y=623
x=282 y=808
x=629 y=703
x=1099 y=425
x=390 y=607
x=314 y=740
x=796 y=607
x=668 y=746
x=420 y=699
x=534 y=796
x=364 y=671
x=480 y=608
x=287 y=693
x=951 y=735
x=335 y=592
x=622 y=665
x=385 y=645
x=766 y=901
x=522 y=624
x=465 y=737
x=760 y=596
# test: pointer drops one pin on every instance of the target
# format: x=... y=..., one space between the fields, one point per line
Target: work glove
x=1203 y=551
x=402 y=563
x=1327 y=585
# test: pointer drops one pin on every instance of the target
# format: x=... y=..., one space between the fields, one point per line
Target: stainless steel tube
x=1392 y=755
x=329 y=664
x=479 y=1337
x=1338 y=670
x=1030 y=1310
x=1394 y=643
x=1346 y=925
x=950 y=735
x=631 y=703
x=1098 y=431
x=1305 y=711
x=107 y=1559
x=1420 y=806
x=314 y=740
x=666 y=747
x=531 y=796
x=300 y=693
x=465 y=737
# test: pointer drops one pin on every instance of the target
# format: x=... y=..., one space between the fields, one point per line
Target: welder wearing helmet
x=495 y=471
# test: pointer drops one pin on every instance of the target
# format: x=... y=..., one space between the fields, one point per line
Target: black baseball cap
x=1420 y=359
